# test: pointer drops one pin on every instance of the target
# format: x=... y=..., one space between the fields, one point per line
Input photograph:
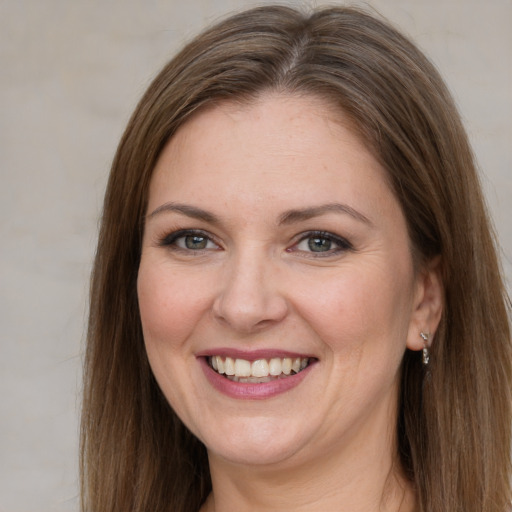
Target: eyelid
x=170 y=239
x=342 y=243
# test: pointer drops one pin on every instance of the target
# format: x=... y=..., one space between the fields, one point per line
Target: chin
x=256 y=442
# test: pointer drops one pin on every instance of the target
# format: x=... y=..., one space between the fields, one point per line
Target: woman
x=296 y=301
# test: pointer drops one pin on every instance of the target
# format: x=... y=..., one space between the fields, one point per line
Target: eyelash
x=343 y=245
x=172 y=238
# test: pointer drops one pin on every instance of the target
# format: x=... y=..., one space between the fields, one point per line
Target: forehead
x=262 y=146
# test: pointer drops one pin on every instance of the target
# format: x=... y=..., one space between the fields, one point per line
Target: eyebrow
x=292 y=216
x=288 y=217
x=188 y=210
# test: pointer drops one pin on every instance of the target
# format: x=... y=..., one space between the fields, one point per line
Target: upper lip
x=251 y=355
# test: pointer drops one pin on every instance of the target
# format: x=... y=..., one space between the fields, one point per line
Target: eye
x=321 y=243
x=189 y=240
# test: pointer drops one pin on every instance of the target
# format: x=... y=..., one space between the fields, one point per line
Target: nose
x=249 y=299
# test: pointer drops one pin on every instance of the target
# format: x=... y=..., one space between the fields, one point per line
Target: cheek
x=169 y=310
x=360 y=308
x=169 y=304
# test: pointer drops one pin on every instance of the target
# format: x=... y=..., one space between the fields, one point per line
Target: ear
x=428 y=304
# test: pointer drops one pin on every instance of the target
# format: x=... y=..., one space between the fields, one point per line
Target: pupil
x=319 y=244
x=195 y=242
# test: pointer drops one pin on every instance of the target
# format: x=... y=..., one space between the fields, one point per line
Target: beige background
x=71 y=73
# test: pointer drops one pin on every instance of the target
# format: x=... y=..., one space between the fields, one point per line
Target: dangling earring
x=425 y=336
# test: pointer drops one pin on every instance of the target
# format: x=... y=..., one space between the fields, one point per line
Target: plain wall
x=71 y=73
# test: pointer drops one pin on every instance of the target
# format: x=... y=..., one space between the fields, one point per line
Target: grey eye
x=189 y=240
x=195 y=242
x=319 y=244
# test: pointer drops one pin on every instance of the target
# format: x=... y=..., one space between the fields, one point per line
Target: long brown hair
x=454 y=421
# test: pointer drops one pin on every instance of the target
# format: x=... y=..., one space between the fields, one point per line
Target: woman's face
x=273 y=242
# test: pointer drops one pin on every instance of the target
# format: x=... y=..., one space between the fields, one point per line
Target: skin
x=328 y=442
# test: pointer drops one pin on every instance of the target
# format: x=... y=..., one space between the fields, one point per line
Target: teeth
x=229 y=366
x=261 y=370
x=275 y=367
x=242 y=368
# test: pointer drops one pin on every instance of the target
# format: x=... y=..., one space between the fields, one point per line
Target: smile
x=258 y=371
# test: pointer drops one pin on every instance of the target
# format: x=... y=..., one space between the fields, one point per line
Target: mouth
x=258 y=371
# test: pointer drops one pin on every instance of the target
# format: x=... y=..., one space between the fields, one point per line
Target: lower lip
x=249 y=390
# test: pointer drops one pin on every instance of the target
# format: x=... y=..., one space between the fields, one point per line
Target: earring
x=425 y=336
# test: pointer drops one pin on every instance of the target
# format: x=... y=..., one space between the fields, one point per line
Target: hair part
x=453 y=428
